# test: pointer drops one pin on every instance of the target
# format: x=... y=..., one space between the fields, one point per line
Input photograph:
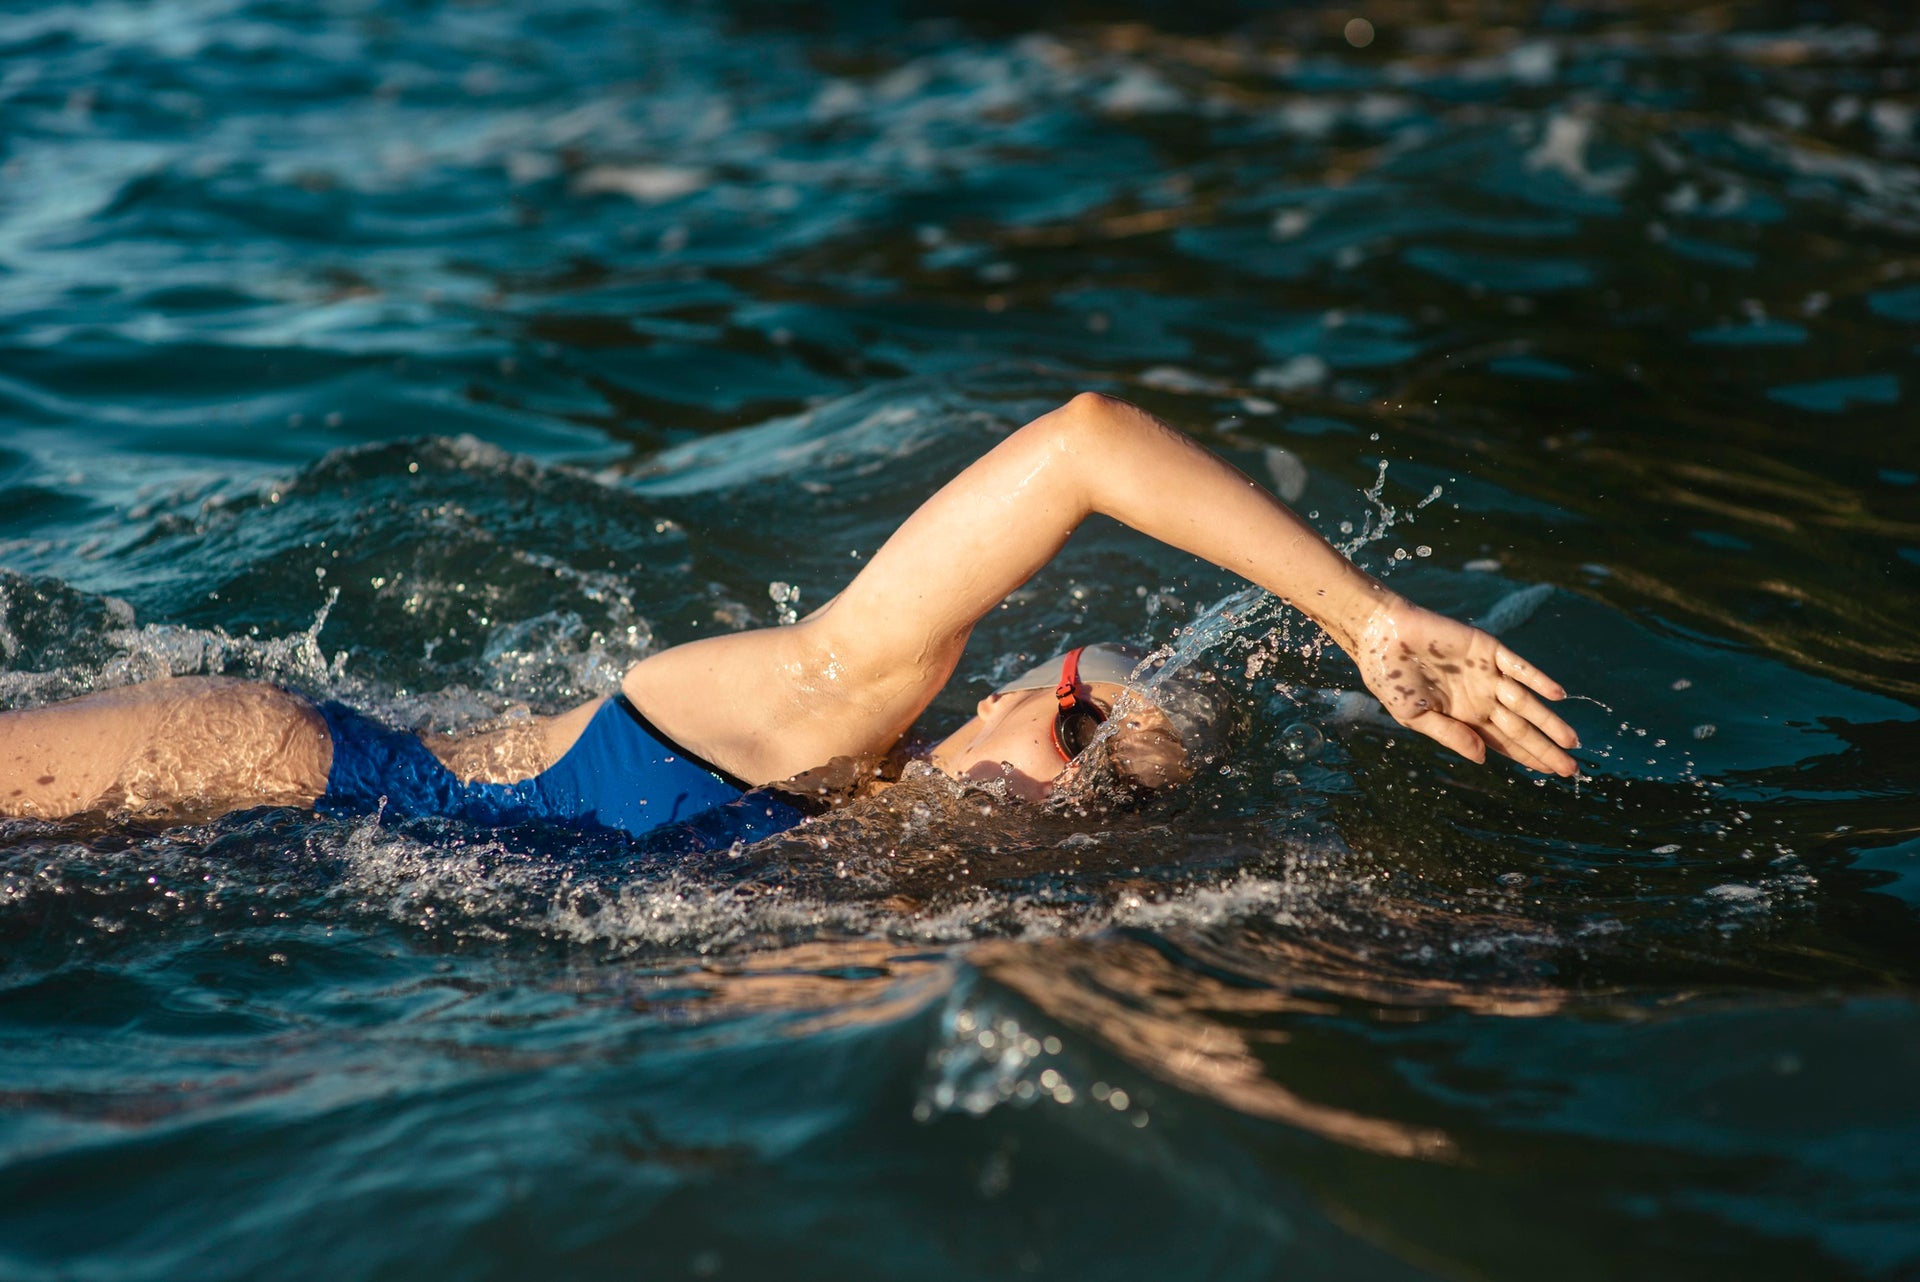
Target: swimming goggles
x=1197 y=707
x=1079 y=718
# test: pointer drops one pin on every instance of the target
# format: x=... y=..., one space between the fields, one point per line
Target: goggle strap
x=1068 y=691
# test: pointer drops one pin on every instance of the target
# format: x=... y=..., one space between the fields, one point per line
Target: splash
x=1381 y=519
x=104 y=649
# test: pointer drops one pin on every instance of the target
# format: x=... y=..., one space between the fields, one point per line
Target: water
x=445 y=359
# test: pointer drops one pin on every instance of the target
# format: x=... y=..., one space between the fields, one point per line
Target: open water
x=447 y=357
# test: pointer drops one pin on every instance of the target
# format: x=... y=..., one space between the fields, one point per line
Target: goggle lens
x=1079 y=718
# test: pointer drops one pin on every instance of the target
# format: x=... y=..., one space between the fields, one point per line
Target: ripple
x=1837 y=395
x=449 y=361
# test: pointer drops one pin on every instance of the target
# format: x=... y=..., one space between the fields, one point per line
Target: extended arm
x=853 y=676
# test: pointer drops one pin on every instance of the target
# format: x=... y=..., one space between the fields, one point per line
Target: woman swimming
x=699 y=731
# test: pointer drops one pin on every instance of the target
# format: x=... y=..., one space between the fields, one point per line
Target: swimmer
x=706 y=731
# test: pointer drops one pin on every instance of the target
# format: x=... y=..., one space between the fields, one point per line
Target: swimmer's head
x=1149 y=727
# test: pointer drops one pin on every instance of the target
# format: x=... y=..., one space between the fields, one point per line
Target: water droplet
x=1300 y=741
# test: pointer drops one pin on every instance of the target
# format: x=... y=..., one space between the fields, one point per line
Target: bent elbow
x=1090 y=426
x=1094 y=416
x=1093 y=407
x=1089 y=402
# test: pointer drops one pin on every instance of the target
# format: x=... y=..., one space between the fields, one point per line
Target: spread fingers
x=1447 y=732
x=1526 y=674
x=1524 y=742
x=1517 y=697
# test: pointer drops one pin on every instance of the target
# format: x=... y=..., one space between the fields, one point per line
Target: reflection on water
x=447 y=362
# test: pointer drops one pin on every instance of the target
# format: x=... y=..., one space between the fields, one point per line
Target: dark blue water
x=446 y=358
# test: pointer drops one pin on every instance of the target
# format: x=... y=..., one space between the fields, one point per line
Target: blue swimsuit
x=620 y=774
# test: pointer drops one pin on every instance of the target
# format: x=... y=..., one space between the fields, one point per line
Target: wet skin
x=206 y=739
x=850 y=679
x=1010 y=738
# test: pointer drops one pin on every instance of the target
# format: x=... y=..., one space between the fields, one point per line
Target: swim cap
x=1191 y=697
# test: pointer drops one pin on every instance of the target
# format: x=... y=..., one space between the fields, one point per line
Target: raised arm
x=855 y=674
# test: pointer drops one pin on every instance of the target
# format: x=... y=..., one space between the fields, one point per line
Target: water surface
x=448 y=358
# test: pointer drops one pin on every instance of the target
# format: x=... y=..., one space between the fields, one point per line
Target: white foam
x=1514 y=609
x=1563 y=150
x=647 y=184
x=1289 y=473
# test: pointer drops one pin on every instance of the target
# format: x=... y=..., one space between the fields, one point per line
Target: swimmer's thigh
x=200 y=744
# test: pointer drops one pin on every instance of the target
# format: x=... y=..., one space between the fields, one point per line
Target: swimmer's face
x=1010 y=737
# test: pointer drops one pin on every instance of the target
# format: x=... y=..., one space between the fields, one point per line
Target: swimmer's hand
x=1461 y=688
